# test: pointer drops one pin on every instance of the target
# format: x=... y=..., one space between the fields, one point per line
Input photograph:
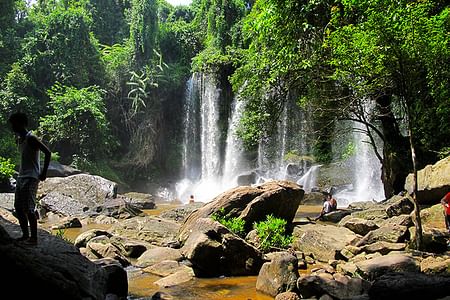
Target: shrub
x=234 y=224
x=6 y=168
x=272 y=233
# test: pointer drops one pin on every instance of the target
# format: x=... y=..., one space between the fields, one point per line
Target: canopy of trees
x=102 y=80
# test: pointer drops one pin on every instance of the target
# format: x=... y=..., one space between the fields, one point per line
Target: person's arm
x=47 y=155
x=444 y=201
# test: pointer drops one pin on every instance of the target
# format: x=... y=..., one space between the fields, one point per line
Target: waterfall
x=191 y=146
x=368 y=185
x=235 y=162
x=210 y=134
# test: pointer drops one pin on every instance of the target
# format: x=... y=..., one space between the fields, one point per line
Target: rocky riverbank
x=362 y=252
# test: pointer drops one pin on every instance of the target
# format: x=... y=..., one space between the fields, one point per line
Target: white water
x=205 y=178
x=212 y=164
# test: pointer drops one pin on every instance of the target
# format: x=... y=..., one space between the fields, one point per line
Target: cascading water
x=213 y=156
x=202 y=162
x=235 y=162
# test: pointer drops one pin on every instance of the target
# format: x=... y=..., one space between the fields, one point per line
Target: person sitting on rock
x=329 y=205
x=445 y=201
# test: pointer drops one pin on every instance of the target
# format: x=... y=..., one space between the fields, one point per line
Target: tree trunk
x=394 y=167
x=417 y=219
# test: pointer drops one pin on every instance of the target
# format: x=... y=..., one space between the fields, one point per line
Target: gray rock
x=433 y=182
x=376 y=267
x=151 y=229
x=317 y=286
x=7 y=201
x=392 y=234
x=184 y=275
x=85 y=237
x=325 y=241
x=52 y=269
x=279 y=275
x=214 y=251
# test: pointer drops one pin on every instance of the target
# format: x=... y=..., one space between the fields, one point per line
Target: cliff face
x=53 y=269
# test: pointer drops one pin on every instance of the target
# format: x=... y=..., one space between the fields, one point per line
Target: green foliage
x=61 y=233
x=272 y=233
x=6 y=168
x=55 y=156
x=143 y=29
x=78 y=115
x=234 y=224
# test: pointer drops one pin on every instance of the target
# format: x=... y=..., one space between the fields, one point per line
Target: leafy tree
x=77 y=124
x=143 y=29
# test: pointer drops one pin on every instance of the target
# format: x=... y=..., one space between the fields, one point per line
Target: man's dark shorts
x=25 y=198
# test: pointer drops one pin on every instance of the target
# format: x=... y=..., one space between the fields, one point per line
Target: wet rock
x=117 y=283
x=409 y=286
x=251 y=204
x=376 y=267
x=433 y=182
x=358 y=225
x=215 y=251
x=325 y=241
x=279 y=275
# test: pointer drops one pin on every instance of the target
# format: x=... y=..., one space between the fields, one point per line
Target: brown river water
x=141 y=285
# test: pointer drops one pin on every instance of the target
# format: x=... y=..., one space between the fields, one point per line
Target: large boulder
x=324 y=241
x=399 y=205
x=251 y=204
x=76 y=194
x=433 y=182
x=158 y=254
x=54 y=269
x=410 y=285
x=279 y=275
x=215 y=251
x=433 y=217
x=179 y=214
